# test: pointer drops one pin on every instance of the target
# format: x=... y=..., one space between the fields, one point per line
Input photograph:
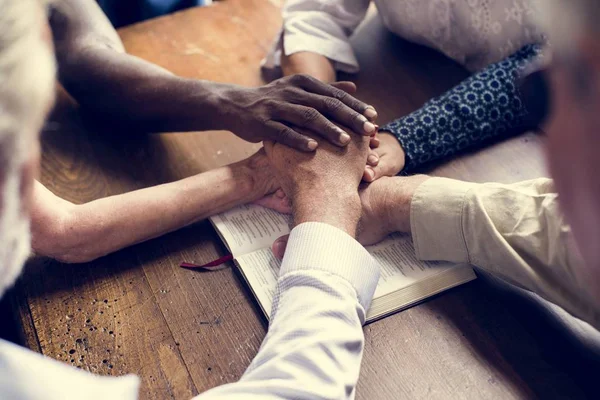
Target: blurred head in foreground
x=26 y=94
x=573 y=126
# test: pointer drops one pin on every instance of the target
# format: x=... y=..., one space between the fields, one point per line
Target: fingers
x=384 y=167
x=277 y=201
x=337 y=92
x=268 y=146
x=348 y=87
x=373 y=159
x=281 y=133
x=313 y=120
x=279 y=246
x=374 y=142
x=369 y=175
x=339 y=112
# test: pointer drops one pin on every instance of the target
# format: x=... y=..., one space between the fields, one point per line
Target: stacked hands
x=349 y=184
x=299 y=109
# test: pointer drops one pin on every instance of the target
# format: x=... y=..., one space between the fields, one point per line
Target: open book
x=249 y=231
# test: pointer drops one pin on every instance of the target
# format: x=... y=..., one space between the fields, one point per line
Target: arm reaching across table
x=486 y=106
x=82 y=232
x=95 y=69
x=314 y=344
x=315 y=38
x=515 y=232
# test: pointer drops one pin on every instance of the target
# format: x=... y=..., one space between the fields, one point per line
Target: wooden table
x=184 y=332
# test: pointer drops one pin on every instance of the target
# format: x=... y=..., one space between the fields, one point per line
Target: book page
x=399 y=265
x=396 y=255
x=251 y=227
x=261 y=270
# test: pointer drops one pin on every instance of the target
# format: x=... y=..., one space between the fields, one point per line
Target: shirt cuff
x=317 y=246
x=339 y=52
x=436 y=214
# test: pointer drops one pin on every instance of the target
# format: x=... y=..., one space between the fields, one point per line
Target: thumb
x=268 y=146
x=372 y=173
x=279 y=246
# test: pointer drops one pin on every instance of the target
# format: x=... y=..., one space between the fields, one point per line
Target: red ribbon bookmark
x=210 y=265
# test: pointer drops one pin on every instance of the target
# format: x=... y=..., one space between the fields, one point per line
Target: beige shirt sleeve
x=514 y=231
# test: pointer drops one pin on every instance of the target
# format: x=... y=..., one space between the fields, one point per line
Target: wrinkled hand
x=281 y=110
x=386 y=157
x=385 y=209
x=258 y=173
x=277 y=201
x=322 y=186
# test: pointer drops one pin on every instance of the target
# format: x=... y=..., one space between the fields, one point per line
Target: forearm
x=309 y=63
x=140 y=95
x=91 y=230
x=485 y=107
x=315 y=342
x=95 y=69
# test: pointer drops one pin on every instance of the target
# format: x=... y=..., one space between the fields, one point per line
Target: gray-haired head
x=27 y=72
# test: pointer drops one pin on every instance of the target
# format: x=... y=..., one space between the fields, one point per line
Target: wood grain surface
x=184 y=332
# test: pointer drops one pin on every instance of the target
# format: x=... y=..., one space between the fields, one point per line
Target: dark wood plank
x=183 y=331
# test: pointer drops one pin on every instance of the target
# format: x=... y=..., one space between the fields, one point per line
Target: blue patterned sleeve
x=487 y=105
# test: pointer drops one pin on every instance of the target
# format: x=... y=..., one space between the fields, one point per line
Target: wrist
x=340 y=209
x=221 y=105
x=306 y=62
x=254 y=177
x=397 y=204
x=386 y=137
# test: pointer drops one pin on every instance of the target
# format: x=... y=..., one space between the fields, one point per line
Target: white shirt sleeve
x=25 y=375
x=312 y=350
x=319 y=26
x=315 y=341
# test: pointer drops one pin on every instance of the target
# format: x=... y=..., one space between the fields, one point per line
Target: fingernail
x=369 y=127
x=279 y=248
x=280 y=194
x=372 y=159
x=370 y=173
x=370 y=113
x=312 y=144
x=344 y=138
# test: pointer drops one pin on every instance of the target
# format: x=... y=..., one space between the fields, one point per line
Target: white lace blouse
x=475 y=33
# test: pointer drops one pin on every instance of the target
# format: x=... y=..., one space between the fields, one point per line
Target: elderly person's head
x=574 y=124
x=26 y=92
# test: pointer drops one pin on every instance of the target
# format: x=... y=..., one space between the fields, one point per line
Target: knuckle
x=297 y=79
x=281 y=81
x=339 y=95
x=286 y=135
x=310 y=115
x=332 y=104
x=289 y=93
x=358 y=118
x=270 y=104
x=305 y=78
x=271 y=107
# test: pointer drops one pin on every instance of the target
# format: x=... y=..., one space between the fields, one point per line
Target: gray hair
x=27 y=71
x=27 y=79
